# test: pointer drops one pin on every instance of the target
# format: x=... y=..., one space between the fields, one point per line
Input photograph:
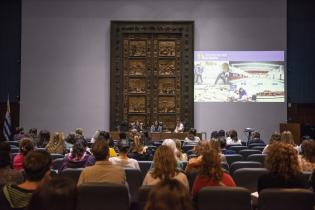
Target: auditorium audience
x=224 y=150
x=37 y=171
x=26 y=145
x=56 y=144
x=211 y=173
x=77 y=158
x=123 y=160
x=307 y=158
x=164 y=167
x=103 y=170
x=275 y=137
x=169 y=194
x=192 y=137
x=59 y=193
x=233 y=139
x=255 y=139
x=7 y=174
x=179 y=127
x=43 y=138
x=156 y=127
x=284 y=170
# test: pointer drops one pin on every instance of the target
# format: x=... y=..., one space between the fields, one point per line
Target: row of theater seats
x=108 y=196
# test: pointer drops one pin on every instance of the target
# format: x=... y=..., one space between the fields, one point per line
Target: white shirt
x=179 y=128
x=125 y=163
x=230 y=141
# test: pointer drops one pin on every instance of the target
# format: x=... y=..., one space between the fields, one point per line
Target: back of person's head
x=164 y=163
x=36 y=165
x=43 y=138
x=275 y=137
x=255 y=135
x=215 y=144
x=19 y=130
x=100 y=150
x=308 y=150
x=193 y=131
x=33 y=131
x=79 y=131
x=282 y=160
x=202 y=147
x=178 y=144
x=222 y=142
x=211 y=165
x=233 y=135
x=214 y=135
x=171 y=144
x=71 y=138
x=26 y=145
x=122 y=135
x=78 y=149
x=221 y=133
x=169 y=194
x=287 y=137
x=123 y=148
x=103 y=135
x=60 y=193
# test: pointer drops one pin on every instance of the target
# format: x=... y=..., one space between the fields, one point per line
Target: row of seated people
x=282 y=163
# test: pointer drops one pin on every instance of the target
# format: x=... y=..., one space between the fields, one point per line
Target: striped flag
x=7 y=123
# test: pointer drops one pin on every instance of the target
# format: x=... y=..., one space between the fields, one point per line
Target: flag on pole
x=7 y=126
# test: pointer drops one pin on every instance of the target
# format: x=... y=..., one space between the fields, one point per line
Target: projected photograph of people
x=239 y=76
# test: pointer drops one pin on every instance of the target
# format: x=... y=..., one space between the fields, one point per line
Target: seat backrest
x=233 y=158
x=244 y=164
x=187 y=147
x=102 y=196
x=248 y=177
x=288 y=199
x=223 y=198
x=237 y=148
x=257 y=157
x=261 y=148
x=144 y=167
x=134 y=181
x=15 y=143
x=72 y=173
x=143 y=195
x=225 y=166
x=247 y=152
x=256 y=144
x=56 y=164
x=15 y=149
x=56 y=155
x=191 y=178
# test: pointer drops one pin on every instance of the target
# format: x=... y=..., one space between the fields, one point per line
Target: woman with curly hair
x=211 y=173
x=169 y=194
x=164 y=168
x=284 y=170
x=56 y=144
x=307 y=159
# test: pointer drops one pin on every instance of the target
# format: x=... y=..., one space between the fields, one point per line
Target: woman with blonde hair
x=211 y=173
x=56 y=144
x=284 y=170
x=138 y=151
x=195 y=162
x=287 y=138
x=164 y=168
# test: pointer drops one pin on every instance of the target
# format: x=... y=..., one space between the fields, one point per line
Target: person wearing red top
x=211 y=173
x=25 y=146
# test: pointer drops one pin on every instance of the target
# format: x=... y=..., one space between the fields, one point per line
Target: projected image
x=239 y=76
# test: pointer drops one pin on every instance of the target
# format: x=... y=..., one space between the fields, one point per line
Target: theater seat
x=257 y=157
x=248 y=177
x=233 y=158
x=288 y=199
x=56 y=164
x=56 y=155
x=223 y=198
x=237 y=148
x=244 y=164
x=102 y=196
x=144 y=167
x=134 y=180
x=143 y=195
x=247 y=152
x=72 y=173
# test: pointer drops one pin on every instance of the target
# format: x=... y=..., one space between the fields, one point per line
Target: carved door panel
x=151 y=73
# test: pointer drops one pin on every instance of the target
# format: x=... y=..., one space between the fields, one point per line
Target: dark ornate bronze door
x=151 y=73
